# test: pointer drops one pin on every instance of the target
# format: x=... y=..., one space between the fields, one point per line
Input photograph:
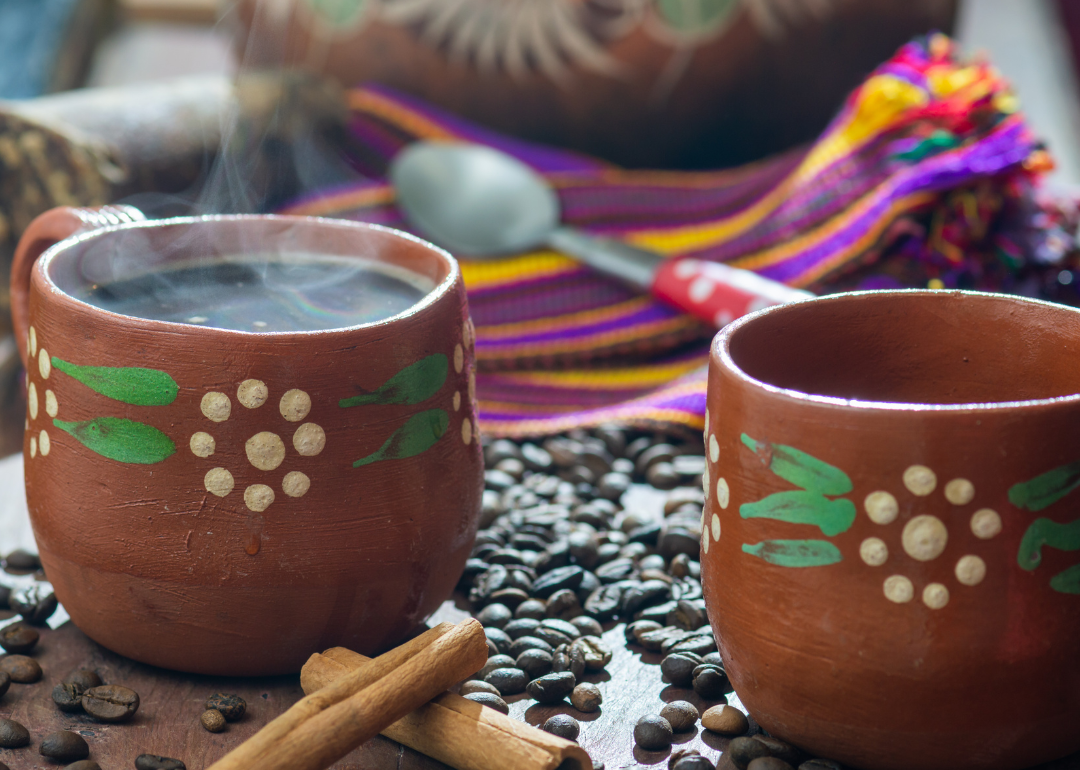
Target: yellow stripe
x=559 y=323
x=484 y=274
x=640 y=377
x=589 y=343
x=367 y=101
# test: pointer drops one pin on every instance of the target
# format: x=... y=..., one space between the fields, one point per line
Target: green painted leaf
x=338 y=13
x=1046 y=489
x=417 y=435
x=128 y=384
x=830 y=516
x=795 y=553
x=695 y=16
x=1067 y=582
x=801 y=469
x=123 y=440
x=1064 y=537
x=413 y=384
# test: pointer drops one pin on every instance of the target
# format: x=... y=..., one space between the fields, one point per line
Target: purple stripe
x=652 y=312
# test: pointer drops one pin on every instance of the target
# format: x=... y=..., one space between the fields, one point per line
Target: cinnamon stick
x=326 y=725
x=455 y=730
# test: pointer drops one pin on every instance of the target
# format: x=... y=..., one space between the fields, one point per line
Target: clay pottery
x=228 y=502
x=639 y=82
x=890 y=535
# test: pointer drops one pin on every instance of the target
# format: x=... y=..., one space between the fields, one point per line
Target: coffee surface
x=301 y=292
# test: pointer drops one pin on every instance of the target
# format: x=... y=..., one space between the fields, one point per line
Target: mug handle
x=44 y=232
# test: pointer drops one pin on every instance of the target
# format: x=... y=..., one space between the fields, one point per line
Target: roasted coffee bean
x=597 y=654
x=511 y=466
x=508 y=681
x=34 y=604
x=523 y=643
x=213 y=721
x=654 y=640
x=84 y=679
x=643 y=595
x=662 y=476
x=636 y=447
x=603 y=603
x=820 y=764
x=83 y=764
x=725 y=719
x=618 y=569
x=499 y=638
x=494 y=616
x=689 y=614
x=613 y=485
x=18 y=638
x=491 y=508
x=511 y=597
x=5 y=596
x=569 y=658
x=710 y=684
x=535 y=458
x=553 y=637
x=586 y=697
x=232 y=707
x=651 y=562
x=743 y=751
x=680 y=714
x=675 y=635
x=500 y=449
x=589 y=583
x=67 y=697
x=678 y=668
x=494 y=662
x=519 y=627
x=551 y=688
x=646 y=534
x=507 y=556
x=673 y=539
x=713 y=658
x=680 y=566
x=652 y=733
x=533 y=609
x=562 y=725
x=564 y=627
x=490 y=700
x=697 y=643
x=111 y=703
x=21 y=669
x=564 y=605
x=635 y=629
x=693 y=762
x=658 y=453
x=12 y=734
x=154 y=762
x=64 y=746
x=769 y=763
x=535 y=663
x=477 y=685
x=22 y=561
x=5 y=682
x=781 y=749
x=587 y=626
x=498 y=480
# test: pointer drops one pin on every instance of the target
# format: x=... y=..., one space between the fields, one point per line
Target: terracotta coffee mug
x=228 y=502
x=890 y=535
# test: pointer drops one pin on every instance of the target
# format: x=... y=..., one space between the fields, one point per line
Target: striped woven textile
x=909 y=185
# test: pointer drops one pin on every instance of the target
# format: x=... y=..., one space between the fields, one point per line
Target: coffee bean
x=725 y=719
x=84 y=679
x=535 y=663
x=653 y=733
x=12 y=734
x=490 y=700
x=586 y=697
x=678 y=668
x=212 y=721
x=680 y=714
x=519 y=627
x=564 y=627
x=497 y=480
x=67 y=697
x=535 y=458
x=693 y=762
x=523 y=643
x=477 y=685
x=83 y=764
x=820 y=764
x=603 y=603
x=5 y=682
x=654 y=640
x=494 y=662
x=533 y=609
x=154 y=762
x=646 y=534
x=662 y=476
x=710 y=684
x=781 y=749
x=742 y=751
x=34 y=604
x=64 y=746
x=680 y=566
x=659 y=453
x=232 y=707
x=587 y=626
x=494 y=616
x=18 y=638
x=612 y=486
x=569 y=658
x=551 y=688
x=499 y=450
x=553 y=637
x=511 y=596
x=636 y=447
x=508 y=681
x=22 y=561
x=511 y=466
x=21 y=669
x=618 y=569
x=634 y=629
x=769 y=763
x=110 y=703
x=589 y=583
x=562 y=725
x=596 y=654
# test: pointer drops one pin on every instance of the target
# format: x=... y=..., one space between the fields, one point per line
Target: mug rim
x=436 y=293
x=721 y=347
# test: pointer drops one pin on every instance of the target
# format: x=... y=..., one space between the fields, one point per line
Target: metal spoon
x=482 y=203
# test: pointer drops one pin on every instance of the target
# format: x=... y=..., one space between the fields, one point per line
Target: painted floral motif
x=1035 y=495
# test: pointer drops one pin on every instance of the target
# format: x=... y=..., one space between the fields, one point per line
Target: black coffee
x=305 y=292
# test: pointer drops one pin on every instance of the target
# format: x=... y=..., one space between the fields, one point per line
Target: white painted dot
x=295 y=484
x=52 y=406
x=252 y=393
x=32 y=341
x=44 y=444
x=874 y=551
x=202 y=444
x=44 y=364
x=881 y=507
x=920 y=480
x=459 y=358
x=294 y=405
x=970 y=570
x=704 y=540
x=472 y=387
x=723 y=318
x=218 y=481
x=686 y=268
x=466 y=431
x=468 y=333
x=216 y=406
x=265 y=450
x=714 y=448
x=924 y=538
x=457 y=400
x=899 y=589
x=33 y=447
x=706 y=432
x=715 y=527
x=700 y=288
x=985 y=523
x=705 y=480
x=959 y=491
x=309 y=439
x=723 y=492
x=32 y=401
x=935 y=596
x=258 y=497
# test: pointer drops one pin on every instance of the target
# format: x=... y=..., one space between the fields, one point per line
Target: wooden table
x=167 y=720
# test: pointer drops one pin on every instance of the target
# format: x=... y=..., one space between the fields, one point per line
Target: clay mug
x=228 y=502
x=890 y=535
